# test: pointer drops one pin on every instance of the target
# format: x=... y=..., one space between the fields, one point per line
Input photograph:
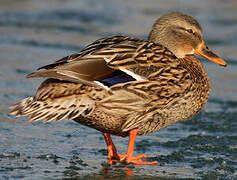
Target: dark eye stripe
x=190 y=31
x=187 y=30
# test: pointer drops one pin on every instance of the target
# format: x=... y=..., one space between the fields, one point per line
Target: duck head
x=182 y=35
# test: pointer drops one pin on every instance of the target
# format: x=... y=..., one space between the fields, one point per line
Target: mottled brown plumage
x=158 y=82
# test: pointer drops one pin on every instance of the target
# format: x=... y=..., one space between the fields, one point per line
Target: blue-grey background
x=37 y=32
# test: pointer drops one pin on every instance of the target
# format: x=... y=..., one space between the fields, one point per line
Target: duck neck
x=197 y=71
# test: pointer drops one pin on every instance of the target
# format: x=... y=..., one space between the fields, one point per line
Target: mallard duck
x=126 y=86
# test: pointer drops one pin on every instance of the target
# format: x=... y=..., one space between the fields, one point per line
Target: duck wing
x=109 y=61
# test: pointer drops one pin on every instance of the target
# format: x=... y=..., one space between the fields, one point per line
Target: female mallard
x=126 y=86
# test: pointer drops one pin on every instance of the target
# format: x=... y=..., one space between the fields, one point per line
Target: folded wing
x=108 y=60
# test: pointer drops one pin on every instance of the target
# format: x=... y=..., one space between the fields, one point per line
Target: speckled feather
x=148 y=105
x=164 y=89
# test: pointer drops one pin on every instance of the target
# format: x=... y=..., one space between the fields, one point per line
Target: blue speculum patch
x=116 y=78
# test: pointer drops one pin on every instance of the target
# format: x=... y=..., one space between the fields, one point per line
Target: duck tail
x=68 y=107
x=20 y=108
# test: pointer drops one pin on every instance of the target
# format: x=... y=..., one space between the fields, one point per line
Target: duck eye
x=189 y=31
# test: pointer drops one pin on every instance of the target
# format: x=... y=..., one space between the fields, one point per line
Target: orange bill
x=208 y=54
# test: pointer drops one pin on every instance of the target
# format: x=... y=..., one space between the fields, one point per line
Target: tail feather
x=53 y=110
x=19 y=108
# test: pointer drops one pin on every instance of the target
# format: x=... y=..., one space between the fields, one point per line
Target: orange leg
x=114 y=157
x=112 y=152
x=137 y=160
